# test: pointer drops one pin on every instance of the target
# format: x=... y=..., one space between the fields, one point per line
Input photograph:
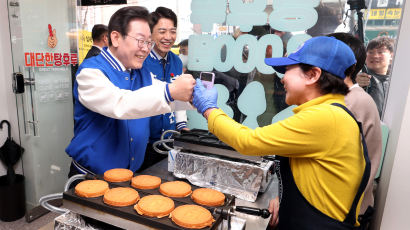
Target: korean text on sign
x=32 y=59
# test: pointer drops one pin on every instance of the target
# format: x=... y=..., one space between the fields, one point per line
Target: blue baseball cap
x=327 y=53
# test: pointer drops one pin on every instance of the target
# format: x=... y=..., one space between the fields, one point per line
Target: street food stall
x=199 y=159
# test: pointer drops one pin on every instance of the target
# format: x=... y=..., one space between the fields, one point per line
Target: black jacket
x=378 y=87
x=94 y=51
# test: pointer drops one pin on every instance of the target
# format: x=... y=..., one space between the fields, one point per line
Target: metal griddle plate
x=130 y=214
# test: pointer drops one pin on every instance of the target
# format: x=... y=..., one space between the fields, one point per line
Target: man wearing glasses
x=165 y=66
x=115 y=96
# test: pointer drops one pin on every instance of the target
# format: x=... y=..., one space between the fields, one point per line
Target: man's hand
x=204 y=99
x=181 y=89
x=274 y=210
x=363 y=79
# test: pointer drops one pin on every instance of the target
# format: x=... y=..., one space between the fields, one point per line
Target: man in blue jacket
x=114 y=98
x=165 y=66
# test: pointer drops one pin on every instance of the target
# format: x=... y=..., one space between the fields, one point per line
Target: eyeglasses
x=141 y=42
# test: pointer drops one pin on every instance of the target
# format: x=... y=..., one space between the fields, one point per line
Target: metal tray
x=129 y=213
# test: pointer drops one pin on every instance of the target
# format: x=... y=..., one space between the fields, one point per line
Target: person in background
x=376 y=79
x=329 y=19
x=115 y=96
x=183 y=54
x=165 y=66
x=323 y=167
x=365 y=110
x=99 y=35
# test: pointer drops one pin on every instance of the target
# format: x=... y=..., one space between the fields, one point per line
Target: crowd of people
x=131 y=88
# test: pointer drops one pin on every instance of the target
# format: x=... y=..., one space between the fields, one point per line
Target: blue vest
x=173 y=67
x=101 y=143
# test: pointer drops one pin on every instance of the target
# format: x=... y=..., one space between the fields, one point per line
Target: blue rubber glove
x=204 y=98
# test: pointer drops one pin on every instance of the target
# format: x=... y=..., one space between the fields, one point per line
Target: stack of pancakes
x=192 y=216
x=118 y=175
x=91 y=188
x=187 y=216
x=145 y=182
x=208 y=197
x=175 y=189
x=155 y=206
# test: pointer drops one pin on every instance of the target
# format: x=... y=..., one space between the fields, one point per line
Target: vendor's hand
x=204 y=98
x=363 y=79
x=274 y=210
x=182 y=87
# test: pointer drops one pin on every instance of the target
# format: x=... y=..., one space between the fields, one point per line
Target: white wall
x=7 y=100
x=395 y=214
x=393 y=193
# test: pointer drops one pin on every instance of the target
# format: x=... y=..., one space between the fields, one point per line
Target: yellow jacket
x=322 y=142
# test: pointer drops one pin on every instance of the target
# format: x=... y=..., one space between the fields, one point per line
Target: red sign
x=32 y=59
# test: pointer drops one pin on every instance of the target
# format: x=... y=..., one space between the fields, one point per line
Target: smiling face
x=164 y=34
x=294 y=82
x=379 y=59
x=127 y=48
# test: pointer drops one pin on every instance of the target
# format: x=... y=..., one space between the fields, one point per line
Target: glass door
x=44 y=53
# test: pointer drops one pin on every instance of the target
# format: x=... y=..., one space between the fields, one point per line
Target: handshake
x=184 y=88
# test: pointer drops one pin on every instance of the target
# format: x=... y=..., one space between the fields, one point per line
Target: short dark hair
x=329 y=83
x=183 y=43
x=358 y=49
x=381 y=41
x=163 y=12
x=98 y=31
x=120 y=20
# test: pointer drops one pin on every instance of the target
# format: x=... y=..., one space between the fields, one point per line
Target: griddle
x=201 y=137
x=129 y=213
x=202 y=141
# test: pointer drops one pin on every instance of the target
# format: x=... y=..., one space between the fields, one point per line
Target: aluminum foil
x=71 y=221
x=243 y=180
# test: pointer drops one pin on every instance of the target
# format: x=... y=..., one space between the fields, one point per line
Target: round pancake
x=192 y=216
x=121 y=196
x=175 y=189
x=118 y=175
x=145 y=182
x=208 y=197
x=91 y=188
x=155 y=206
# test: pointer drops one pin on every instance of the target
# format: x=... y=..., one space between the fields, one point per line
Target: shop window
x=233 y=37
